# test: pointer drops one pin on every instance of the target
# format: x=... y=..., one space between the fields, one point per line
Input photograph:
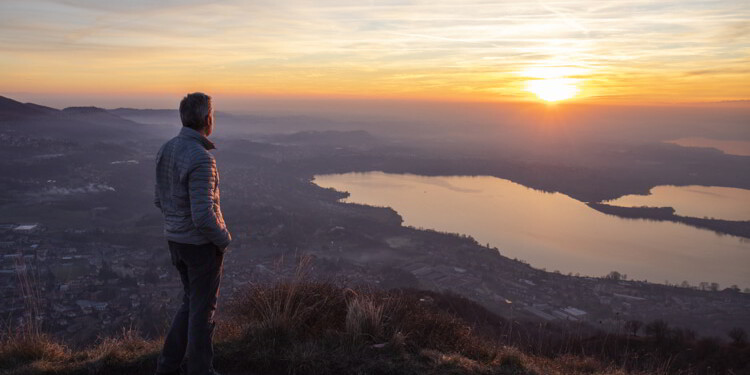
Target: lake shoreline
x=728 y=227
x=554 y=230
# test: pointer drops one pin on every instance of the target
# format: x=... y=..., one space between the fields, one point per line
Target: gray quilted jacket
x=187 y=191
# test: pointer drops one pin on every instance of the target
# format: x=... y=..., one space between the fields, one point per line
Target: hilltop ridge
x=310 y=327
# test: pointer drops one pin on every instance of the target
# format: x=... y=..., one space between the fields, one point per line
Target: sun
x=553 y=89
x=553 y=83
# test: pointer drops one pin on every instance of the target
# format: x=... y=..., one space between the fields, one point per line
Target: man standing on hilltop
x=187 y=192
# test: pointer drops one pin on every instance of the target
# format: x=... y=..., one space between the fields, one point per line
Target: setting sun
x=553 y=89
x=553 y=83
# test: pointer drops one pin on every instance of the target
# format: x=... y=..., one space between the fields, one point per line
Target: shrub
x=20 y=349
x=364 y=317
x=738 y=336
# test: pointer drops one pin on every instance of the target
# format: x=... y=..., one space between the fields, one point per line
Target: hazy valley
x=78 y=222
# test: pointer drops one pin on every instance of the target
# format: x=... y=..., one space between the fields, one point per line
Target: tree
x=738 y=336
x=714 y=287
x=633 y=326
x=614 y=275
x=658 y=329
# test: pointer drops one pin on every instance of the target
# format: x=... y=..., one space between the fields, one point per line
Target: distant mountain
x=42 y=109
x=149 y=116
x=84 y=110
x=172 y=116
x=245 y=124
x=98 y=116
x=82 y=124
x=124 y=112
x=12 y=109
x=228 y=122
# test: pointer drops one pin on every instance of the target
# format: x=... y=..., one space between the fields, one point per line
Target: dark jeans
x=192 y=328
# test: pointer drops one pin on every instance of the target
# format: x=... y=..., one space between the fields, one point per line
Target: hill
x=11 y=109
x=79 y=124
x=303 y=327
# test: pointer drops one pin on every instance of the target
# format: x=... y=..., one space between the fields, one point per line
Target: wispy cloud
x=693 y=50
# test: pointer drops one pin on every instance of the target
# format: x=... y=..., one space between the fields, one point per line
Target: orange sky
x=631 y=51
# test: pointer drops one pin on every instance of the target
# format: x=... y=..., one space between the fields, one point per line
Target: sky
x=140 y=52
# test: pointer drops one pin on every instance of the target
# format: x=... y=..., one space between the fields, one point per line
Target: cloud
x=304 y=46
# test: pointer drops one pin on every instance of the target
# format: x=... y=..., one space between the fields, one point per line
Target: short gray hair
x=193 y=110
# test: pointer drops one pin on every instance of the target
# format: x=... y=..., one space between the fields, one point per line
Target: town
x=83 y=253
x=80 y=291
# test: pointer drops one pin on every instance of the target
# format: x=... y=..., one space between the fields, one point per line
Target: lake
x=552 y=230
x=731 y=147
x=697 y=201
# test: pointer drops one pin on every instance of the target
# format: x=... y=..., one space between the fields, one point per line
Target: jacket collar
x=194 y=134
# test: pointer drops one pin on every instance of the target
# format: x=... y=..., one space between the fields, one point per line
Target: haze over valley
x=77 y=213
x=453 y=187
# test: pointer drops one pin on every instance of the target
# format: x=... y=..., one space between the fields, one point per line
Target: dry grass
x=311 y=328
x=364 y=317
x=19 y=349
x=126 y=353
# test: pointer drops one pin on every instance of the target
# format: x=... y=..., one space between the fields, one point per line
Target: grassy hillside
x=319 y=328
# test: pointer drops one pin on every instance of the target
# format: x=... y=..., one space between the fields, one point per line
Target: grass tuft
x=364 y=317
x=20 y=350
x=317 y=328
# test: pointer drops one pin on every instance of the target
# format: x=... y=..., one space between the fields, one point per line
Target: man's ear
x=209 y=125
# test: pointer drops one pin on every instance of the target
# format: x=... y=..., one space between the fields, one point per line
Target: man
x=187 y=192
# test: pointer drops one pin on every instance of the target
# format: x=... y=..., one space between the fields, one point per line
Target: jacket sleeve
x=201 y=183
